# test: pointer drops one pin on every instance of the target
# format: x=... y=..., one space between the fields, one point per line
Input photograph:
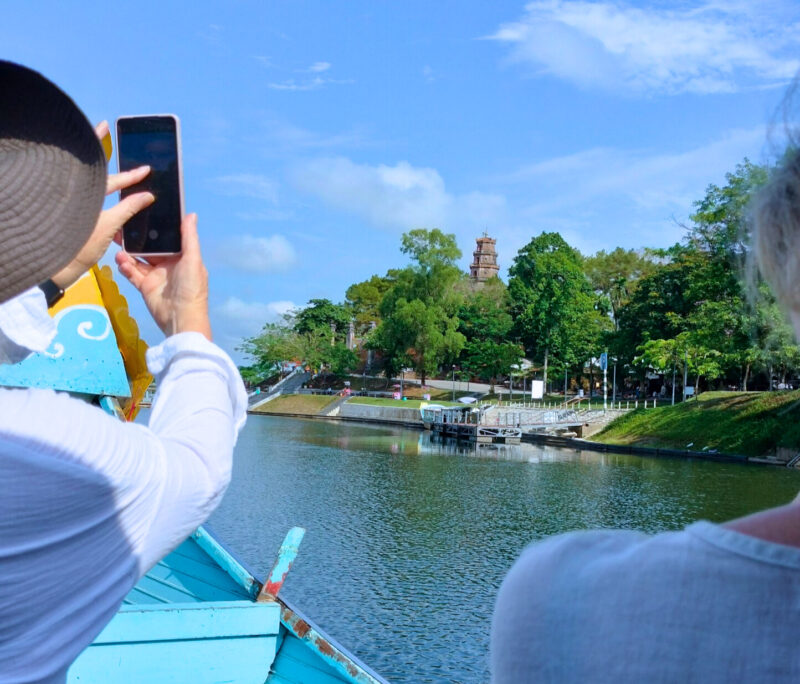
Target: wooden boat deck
x=187 y=575
x=193 y=619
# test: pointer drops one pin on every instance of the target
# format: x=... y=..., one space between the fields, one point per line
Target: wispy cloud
x=319 y=67
x=397 y=197
x=234 y=319
x=266 y=215
x=631 y=197
x=212 y=34
x=313 y=81
x=309 y=84
x=253 y=314
x=701 y=48
x=247 y=185
x=291 y=137
x=254 y=254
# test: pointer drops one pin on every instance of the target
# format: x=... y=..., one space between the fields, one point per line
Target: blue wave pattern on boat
x=82 y=358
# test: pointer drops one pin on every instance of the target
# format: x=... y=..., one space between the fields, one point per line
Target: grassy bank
x=304 y=404
x=399 y=403
x=751 y=423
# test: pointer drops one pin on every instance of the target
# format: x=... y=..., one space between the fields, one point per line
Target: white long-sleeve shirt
x=88 y=503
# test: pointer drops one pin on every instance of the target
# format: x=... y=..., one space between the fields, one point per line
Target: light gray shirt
x=706 y=604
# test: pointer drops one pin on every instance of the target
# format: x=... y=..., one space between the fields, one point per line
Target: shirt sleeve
x=166 y=477
x=25 y=326
x=199 y=408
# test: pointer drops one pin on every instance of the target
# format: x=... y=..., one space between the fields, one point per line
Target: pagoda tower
x=484 y=263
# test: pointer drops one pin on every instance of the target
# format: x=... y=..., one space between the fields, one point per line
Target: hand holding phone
x=153 y=140
x=175 y=289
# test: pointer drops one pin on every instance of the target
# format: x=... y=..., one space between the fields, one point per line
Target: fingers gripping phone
x=154 y=140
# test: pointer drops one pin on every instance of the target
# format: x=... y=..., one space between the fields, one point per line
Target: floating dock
x=466 y=423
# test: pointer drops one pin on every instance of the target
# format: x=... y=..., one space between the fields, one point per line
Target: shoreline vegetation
x=749 y=423
x=754 y=424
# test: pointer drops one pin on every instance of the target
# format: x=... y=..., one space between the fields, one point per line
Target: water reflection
x=408 y=539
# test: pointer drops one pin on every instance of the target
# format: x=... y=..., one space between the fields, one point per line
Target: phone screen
x=152 y=140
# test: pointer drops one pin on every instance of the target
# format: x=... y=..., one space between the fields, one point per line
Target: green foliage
x=651 y=309
x=257 y=373
x=719 y=225
x=320 y=315
x=342 y=360
x=752 y=423
x=552 y=301
x=695 y=297
x=419 y=325
x=309 y=342
x=486 y=324
x=275 y=344
x=614 y=275
x=364 y=300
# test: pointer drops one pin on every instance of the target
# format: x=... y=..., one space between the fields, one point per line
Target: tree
x=321 y=314
x=275 y=344
x=364 y=300
x=486 y=324
x=342 y=360
x=419 y=324
x=614 y=275
x=551 y=299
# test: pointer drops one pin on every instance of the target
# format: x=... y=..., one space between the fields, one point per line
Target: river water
x=408 y=540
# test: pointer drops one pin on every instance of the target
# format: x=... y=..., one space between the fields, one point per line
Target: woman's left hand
x=110 y=221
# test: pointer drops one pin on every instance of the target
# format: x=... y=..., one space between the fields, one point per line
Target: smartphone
x=154 y=140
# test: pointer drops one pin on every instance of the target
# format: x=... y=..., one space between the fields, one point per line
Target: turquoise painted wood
x=183 y=644
x=286 y=555
x=194 y=619
x=297 y=664
x=83 y=357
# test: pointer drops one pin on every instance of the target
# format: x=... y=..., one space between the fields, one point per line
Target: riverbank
x=728 y=426
x=753 y=424
x=296 y=404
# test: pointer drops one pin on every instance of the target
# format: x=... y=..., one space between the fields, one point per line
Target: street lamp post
x=673 y=382
x=454 y=382
x=614 y=385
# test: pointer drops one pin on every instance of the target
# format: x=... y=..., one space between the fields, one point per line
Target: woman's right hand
x=175 y=289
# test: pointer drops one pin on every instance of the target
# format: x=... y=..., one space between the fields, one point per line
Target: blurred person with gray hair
x=710 y=603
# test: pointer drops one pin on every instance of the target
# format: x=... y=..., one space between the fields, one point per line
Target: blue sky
x=316 y=133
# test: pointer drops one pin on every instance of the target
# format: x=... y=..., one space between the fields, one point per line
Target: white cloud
x=604 y=197
x=291 y=137
x=708 y=48
x=313 y=83
x=252 y=315
x=266 y=215
x=400 y=196
x=247 y=185
x=234 y=319
x=272 y=254
x=649 y=180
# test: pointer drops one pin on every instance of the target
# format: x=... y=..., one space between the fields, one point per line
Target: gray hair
x=776 y=231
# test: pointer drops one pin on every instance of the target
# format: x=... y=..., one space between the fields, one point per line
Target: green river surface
x=408 y=539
